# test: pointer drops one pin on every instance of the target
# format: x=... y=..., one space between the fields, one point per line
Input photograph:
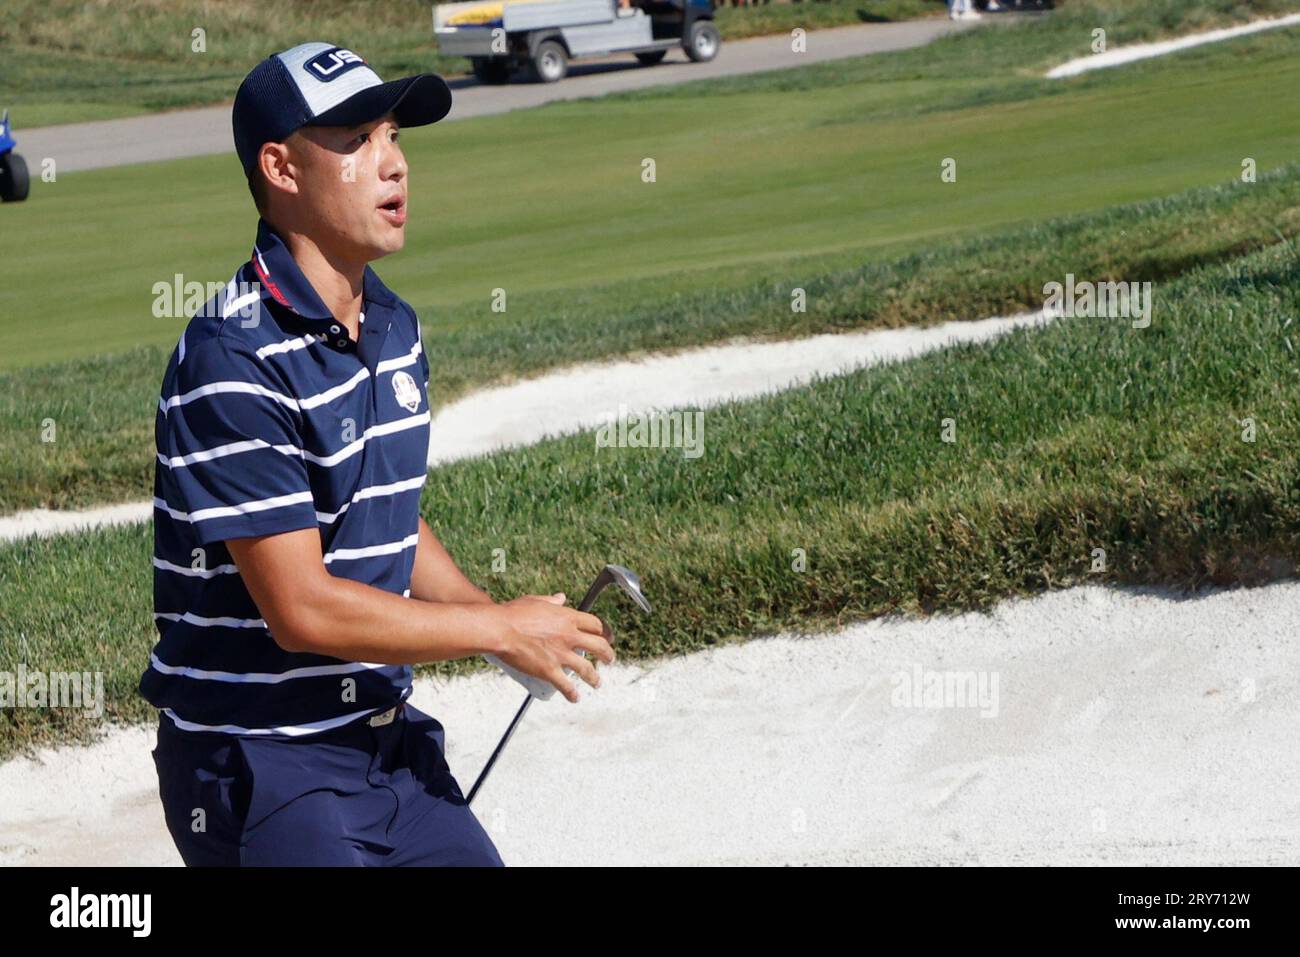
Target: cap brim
x=415 y=101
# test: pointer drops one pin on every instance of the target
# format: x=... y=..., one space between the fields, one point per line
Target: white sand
x=44 y=522
x=1145 y=51
x=584 y=396
x=1131 y=728
x=578 y=397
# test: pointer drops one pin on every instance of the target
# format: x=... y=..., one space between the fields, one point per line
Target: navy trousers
x=354 y=796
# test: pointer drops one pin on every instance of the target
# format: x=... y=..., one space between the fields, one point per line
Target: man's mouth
x=394 y=210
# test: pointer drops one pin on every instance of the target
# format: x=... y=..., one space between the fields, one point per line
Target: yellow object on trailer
x=483 y=12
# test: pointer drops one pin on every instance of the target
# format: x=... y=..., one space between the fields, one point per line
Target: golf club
x=627 y=580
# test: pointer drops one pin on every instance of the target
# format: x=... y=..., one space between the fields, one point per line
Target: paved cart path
x=206 y=131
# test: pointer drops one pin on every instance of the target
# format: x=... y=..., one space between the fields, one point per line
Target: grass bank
x=102 y=407
x=1088 y=434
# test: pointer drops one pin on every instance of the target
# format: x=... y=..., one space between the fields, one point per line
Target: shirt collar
x=283 y=281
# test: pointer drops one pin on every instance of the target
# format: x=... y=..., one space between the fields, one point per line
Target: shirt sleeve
x=229 y=447
x=419 y=343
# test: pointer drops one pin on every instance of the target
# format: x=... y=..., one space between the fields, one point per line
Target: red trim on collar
x=265 y=278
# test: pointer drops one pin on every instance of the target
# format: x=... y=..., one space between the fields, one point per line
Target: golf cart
x=13 y=169
x=501 y=36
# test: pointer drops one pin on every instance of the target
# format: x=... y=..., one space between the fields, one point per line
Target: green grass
x=845 y=163
x=65 y=61
x=1085 y=434
x=749 y=172
x=102 y=407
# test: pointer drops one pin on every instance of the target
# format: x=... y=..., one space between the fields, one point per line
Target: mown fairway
x=749 y=174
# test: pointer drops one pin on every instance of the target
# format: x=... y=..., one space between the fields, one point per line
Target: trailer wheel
x=702 y=44
x=652 y=57
x=13 y=178
x=491 y=70
x=549 y=63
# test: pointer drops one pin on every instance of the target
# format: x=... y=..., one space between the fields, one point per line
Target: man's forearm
x=309 y=610
x=358 y=622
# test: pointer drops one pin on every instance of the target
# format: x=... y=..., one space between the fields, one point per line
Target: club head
x=624 y=578
x=630 y=582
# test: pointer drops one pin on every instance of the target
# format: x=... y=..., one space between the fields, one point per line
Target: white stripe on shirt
x=200 y=622
x=233 y=306
x=194 y=572
x=231 y=448
x=390 y=364
x=374 y=491
x=265 y=678
x=329 y=395
x=292 y=730
x=289 y=345
x=252 y=388
x=386 y=428
x=320 y=398
x=334 y=458
x=243 y=508
x=388 y=548
x=214 y=388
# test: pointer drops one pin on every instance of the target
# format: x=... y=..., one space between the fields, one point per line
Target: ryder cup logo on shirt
x=408 y=396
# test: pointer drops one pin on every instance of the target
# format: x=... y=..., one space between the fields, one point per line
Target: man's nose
x=393 y=163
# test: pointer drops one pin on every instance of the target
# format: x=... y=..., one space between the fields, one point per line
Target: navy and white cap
x=320 y=84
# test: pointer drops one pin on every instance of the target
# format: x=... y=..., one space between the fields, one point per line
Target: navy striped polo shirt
x=272 y=419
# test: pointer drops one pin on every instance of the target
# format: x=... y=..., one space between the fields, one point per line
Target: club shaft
x=585 y=605
x=482 y=776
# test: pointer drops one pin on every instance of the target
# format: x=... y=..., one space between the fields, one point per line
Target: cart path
x=206 y=131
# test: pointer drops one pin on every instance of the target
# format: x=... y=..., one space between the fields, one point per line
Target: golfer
x=295 y=583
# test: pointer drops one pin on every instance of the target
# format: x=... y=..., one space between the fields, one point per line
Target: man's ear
x=278 y=167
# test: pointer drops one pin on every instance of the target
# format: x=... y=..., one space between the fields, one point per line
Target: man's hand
x=540 y=635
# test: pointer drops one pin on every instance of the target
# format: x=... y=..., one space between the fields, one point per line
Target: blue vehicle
x=13 y=168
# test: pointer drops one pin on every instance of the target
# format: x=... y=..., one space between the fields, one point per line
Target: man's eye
x=393 y=136
x=362 y=138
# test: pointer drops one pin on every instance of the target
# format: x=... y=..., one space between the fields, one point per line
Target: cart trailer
x=542 y=36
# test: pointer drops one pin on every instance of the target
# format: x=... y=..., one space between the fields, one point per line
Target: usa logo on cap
x=332 y=63
x=328 y=85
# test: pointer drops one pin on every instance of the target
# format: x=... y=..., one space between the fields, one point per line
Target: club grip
x=539 y=688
